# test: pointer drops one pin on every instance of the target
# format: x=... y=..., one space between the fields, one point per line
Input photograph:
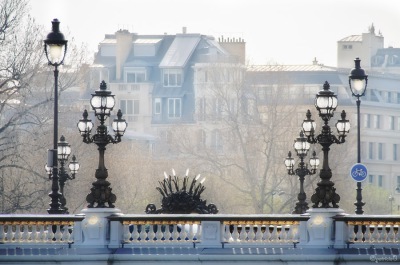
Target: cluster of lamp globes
x=326 y=103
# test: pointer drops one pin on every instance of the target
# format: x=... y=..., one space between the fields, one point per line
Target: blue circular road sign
x=359 y=172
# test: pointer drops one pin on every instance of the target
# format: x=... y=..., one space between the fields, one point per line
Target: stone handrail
x=208 y=229
x=37 y=229
x=364 y=230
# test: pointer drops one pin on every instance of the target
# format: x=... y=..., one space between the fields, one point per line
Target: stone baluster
x=175 y=233
x=259 y=234
x=375 y=234
x=167 y=234
x=126 y=233
x=143 y=233
x=10 y=234
x=235 y=234
x=135 y=233
x=274 y=234
x=183 y=233
x=243 y=233
x=151 y=234
x=267 y=234
x=391 y=235
x=159 y=234
x=251 y=235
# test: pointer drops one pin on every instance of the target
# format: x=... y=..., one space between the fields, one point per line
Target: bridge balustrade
x=38 y=229
x=368 y=230
x=229 y=230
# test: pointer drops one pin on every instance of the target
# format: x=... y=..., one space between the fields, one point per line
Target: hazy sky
x=282 y=31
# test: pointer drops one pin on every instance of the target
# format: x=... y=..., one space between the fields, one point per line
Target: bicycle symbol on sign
x=359 y=172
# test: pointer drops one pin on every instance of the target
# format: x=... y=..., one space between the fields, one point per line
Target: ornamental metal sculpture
x=183 y=199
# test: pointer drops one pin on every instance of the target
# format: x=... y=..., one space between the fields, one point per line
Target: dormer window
x=135 y=76
x=172 y=77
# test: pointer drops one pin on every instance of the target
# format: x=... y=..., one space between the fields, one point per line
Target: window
x=371 y=179
x=129 y=106
x=371 y=150
x=380 y=181
x=398 y=184
x=201 y=139
x=389 y=97
x=174 y=108
x=172 y=77
x=367 y=121
x=380 y=151
x=391 y=123
x=136 y=77
x=201 y=115
x=216 y=140
x=217 y=108
x=157 y=106
x=395 y=152
x=377 y=121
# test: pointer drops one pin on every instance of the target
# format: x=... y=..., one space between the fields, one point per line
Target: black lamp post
x=102 y=103
x=301 y=146
x=63 y=151
x=358 y=85
x=55 y=48
x=326 y=103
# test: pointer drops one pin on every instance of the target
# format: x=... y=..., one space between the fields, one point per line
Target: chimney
x=123 y=49
x=184 y=30
x=235 y=47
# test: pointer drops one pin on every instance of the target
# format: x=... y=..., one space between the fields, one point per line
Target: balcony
x=120 y=88
x=102 y=236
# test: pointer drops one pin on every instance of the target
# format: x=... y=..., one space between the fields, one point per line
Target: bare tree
x=243 y=127
x=26 y=99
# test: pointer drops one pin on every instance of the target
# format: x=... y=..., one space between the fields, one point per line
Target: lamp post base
x=95 y=226
x=321 y=226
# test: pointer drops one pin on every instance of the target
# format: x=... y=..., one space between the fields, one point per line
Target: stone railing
x=38 y=229
x=368 y=230
x=226 y=230
x=105 y=235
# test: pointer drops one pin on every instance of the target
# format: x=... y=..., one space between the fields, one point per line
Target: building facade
x=193 y=80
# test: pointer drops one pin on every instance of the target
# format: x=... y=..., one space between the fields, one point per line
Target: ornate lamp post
x=102 y=103
x=301 y=146
x=55 y=48
x=63 y=151
x=358 y=85
x=326 y=103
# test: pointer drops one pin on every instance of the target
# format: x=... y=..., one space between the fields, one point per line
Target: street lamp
x=358 y=85
x=326 y=103
x=391 y=199
x=55 y=48
x=301 y=146
x=102 y=103
x=63 y=151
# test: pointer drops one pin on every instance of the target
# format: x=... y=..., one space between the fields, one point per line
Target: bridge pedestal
x=95 y=226
x=320 y=227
